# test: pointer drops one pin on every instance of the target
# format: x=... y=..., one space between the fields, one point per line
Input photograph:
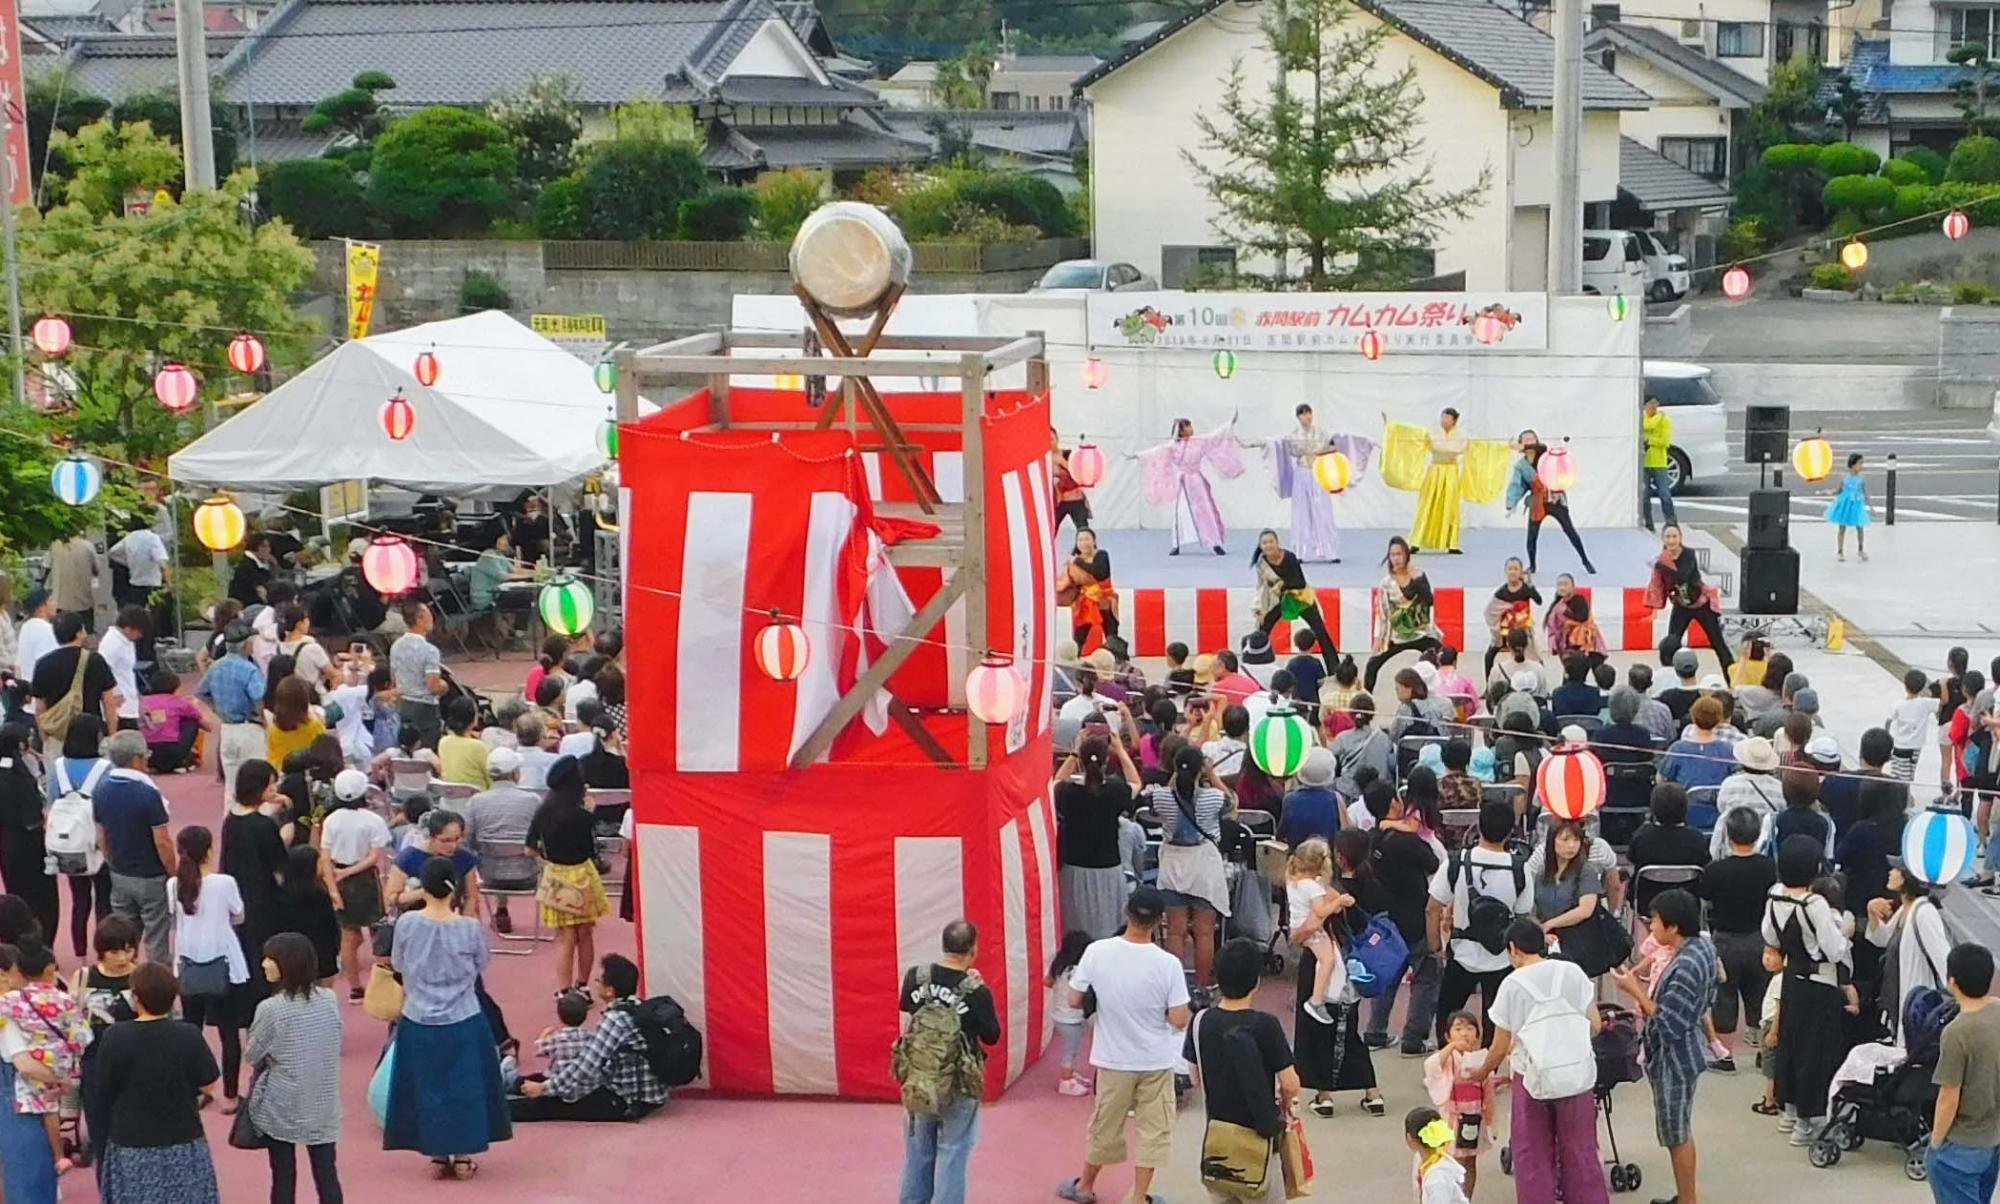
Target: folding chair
x=607 y=809
x=1262 y=823
x=408 y=777
x=1663 y=877
x=1461 y=826
x=456 y=615
x=1701 y=808
x=1591 y=724
x=506 y=871
x=451 y=792
x=1626 y=781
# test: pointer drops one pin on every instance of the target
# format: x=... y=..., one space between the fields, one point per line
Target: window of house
x=1739 y=40
x=1034 y=104
x=1058 y=104
x=1703 y=156
x=1603 y=14
x=1789 y=39
x=1008 y=101
x=1962 y=25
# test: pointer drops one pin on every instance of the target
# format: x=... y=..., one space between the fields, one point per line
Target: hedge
x=1791 y=155
x=1858 y=193
x=1979 y=202
x=1934 y=164
x=718 y=214
x=1901 y=172
x=1975 y=160
x=1838 y=159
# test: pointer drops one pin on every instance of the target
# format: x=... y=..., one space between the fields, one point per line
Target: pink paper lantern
x=783 y=652
x=51 y=336
x=390 y=565
x=1557 y=469
x=995 y=692
x=246 y=353
x=1086 y=465
x=1570 y=782
x=1736 y=283
x=176 y=387
x=1095 y=373
x=1489 y=328
x=1956 y=224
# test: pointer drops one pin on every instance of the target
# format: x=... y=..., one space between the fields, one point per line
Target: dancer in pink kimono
x=1173 y=475
x=1314 y=535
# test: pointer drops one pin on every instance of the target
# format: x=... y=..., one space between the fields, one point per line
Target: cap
x=1714 y=682
x=1824 y=749
x=1204 y=668
x=502 y=761
x=1102 y=660
x=1526 y=680
x=350 y=784
x=1574 y=734
x=1686 y=661
x=1427 y=671
x=1146 y=903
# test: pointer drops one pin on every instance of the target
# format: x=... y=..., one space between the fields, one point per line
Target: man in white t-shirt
x=1545 y=1016
x=120 y=650
x=37 y=637
x=1142 y=1011
x=147 y=565
x=1464 y=921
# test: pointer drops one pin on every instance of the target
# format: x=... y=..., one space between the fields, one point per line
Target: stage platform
x=1208 y=601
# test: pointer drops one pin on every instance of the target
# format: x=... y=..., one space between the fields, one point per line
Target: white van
x=1669 y=271
x=1701 y=421
x=1614 y=262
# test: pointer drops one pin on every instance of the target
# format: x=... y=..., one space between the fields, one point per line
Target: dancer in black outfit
x=1545 y=503
x=1511 y=608
x=1282 y=593
x=1403 y=609
x=1677 y=583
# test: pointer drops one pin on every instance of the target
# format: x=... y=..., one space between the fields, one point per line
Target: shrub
x=318 y=198
x=479 y=290
x=1838 y=159
x=1934 y=164
x=1858 y=194
x=1923 y=292
x=634 y=189
x=1790 y=155
x=1019 y=200
x=1846 y=224
x=441 y=170
x=720 y=214
x=1912 y=201
x=785 y=199
x=1972 y=292
x=1833 y=276
x=1902 y=173
x=1745 y=237
x=560 y=211
x=1975 y=160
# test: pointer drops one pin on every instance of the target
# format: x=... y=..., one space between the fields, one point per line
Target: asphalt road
x=1948 y=468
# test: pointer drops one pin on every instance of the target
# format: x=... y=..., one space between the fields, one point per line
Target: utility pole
x=19 y=348
x=1566 y=210
x=197 y=132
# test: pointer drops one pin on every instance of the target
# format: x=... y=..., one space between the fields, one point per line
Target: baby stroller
x=1897 y=1106
x=1617 y=1048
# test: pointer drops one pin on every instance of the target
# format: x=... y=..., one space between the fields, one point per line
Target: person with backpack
x=1474 y=896
x=1964 y=1154
x=69 y=831
x=940 y=1061
x=614 y=1076
x=1193 y=877
x=1545 y=1015
x=1801 y=929
x=1675 y=1037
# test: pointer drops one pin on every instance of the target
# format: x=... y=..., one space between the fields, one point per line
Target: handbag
x=566 y=898
x=1295 y=1159
x=204 y=980
x=1235 y=1159
x=382 y=938
x=383 y=1000
x=243 y=1131
x=1597 y=944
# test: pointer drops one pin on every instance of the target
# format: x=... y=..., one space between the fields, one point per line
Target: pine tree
x=1328 y=167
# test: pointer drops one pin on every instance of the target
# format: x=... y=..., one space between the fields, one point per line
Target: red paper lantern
x=783 y=652
x=1095 y=373
x=390 y=565
x=1086 y=465
x=399 y=417
x=176 y=387
x=1570 y=782
x=1956 y=224
x=246 y=353
x=426 y=369
x=51 y=335
x=1371 y=344
x=1736 y=283
x=995 y=692
x=1488 y=328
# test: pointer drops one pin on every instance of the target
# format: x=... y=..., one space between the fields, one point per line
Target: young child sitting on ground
x=1309 y=902
x=45 y=1036
x=1440 y=1177
x=1466 y=1105
x=558 y=1042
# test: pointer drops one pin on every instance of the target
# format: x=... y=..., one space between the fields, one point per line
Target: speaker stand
x=1810 y=628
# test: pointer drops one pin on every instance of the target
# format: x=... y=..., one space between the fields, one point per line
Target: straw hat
x=1204 y=669
x=1757 y=755
x=1318 y=768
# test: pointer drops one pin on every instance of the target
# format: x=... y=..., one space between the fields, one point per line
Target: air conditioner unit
x=1691 y=30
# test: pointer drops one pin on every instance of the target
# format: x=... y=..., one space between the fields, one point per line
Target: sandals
x=1072 y=1190
x=1375 y=1106
x=1763 y=1109
x=460 y=1169
x=1321 y=1107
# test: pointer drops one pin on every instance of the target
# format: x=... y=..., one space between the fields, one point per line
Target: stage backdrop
x=1584 y=384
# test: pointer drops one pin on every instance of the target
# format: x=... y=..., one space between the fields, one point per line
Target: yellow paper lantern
x=1813 y=458
x=218 y=523
x=1333 y=471
x=1854 y=255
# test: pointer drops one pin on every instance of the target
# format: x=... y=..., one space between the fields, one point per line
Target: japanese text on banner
x=364 y=261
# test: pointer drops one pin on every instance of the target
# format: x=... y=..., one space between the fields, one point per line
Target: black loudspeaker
x=1770 y=581
x=1770 y=518
x=1766 y=432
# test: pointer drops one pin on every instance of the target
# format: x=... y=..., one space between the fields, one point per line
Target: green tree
x=1975 y=160
x=544 y=120
x=651 y=121
x=634 y=190
x=1846 y=106
x=785 y=199
x=174 y=283
x=560 y=210
x=1329 y=165
x=441 y=171
x=162 y=110
x=31 y=516
x=718 y=214
x=1973 y=90
x=1788 y=112
x=1934 y=164
x=962 y=80
x=318 y=198
x=109 y=161
x=355 y=111
x=54 y=103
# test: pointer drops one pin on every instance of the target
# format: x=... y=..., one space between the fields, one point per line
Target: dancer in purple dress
x=1314 y=534
x=1173 y=476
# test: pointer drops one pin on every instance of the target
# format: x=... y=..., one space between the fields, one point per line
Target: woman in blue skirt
x=445 y=1098
x=1850 y=509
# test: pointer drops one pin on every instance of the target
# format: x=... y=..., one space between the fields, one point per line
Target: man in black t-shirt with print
x=1239 y=1053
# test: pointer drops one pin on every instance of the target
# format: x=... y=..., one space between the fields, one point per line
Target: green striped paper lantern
x=1224 y=362
x=607 y=438
x=1280 y=741
x=605 y=374
x=567 y=606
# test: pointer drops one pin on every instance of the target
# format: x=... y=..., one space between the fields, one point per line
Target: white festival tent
x=510 y=409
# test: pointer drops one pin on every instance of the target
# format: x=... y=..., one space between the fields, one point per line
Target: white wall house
x=1487 y=81
x=1747 y=36
x=1696 y=99
x=1905 y=79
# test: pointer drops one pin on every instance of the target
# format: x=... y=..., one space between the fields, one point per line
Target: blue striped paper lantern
x=76 y=480
x=1938 y=847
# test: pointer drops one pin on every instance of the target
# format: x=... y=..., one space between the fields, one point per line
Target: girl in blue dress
x=1850 y=509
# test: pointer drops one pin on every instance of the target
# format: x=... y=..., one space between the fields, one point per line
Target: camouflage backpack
x=934 y=1059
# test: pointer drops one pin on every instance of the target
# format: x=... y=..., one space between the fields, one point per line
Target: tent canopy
x=509 y=409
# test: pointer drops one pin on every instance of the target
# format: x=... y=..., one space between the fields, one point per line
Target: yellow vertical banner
x=364 y=259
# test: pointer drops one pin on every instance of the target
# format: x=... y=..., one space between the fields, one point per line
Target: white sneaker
x=1788 y=1120
x=1317 y=1010
x=1806 y=1132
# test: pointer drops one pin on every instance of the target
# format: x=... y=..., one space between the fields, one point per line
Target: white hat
x=349 y=785
x=1713 y=682
x=1427 y=671
x=502 y=761
x=1574 y=734
x=1824 y=749
x=1318 y=768
x=1525 y=680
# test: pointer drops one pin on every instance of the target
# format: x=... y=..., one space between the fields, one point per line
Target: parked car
x=1614 y=263
x=1669 y=271
x=1701 y=422
x=1093 y=276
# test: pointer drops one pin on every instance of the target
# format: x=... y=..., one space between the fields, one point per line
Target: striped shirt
x=1674 y=1042
x=295 y=1048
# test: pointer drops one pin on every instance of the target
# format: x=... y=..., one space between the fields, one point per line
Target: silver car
x=1093 y=276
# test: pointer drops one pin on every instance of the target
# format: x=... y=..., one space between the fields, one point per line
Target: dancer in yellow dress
x=1446 y=469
